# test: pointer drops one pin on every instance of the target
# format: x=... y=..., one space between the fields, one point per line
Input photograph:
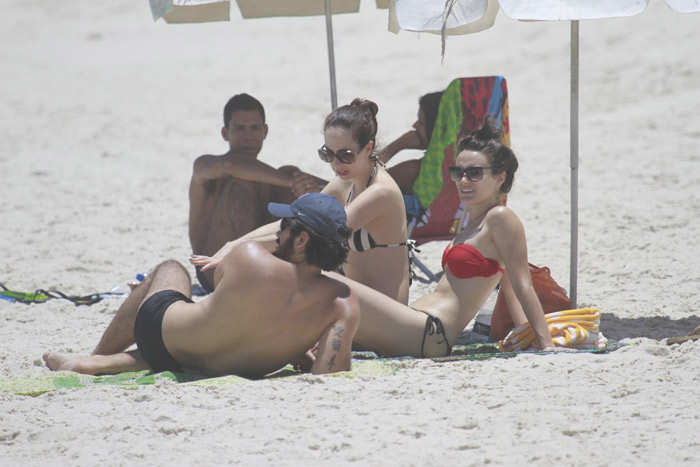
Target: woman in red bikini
x=492 y=243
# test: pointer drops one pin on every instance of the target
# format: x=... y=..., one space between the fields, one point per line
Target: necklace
x=371 y=176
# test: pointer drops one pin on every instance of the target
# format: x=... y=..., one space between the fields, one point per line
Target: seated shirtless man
x=229 y=193
x=268 y=309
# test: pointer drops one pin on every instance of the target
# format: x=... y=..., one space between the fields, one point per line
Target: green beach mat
x=51 y=381
x=363 y=363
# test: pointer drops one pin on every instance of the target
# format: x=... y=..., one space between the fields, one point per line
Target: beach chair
x=434 y=211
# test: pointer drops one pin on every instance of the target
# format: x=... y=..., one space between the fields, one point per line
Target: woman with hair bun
x=490 y=249
x=375 y=209
x=378 y=248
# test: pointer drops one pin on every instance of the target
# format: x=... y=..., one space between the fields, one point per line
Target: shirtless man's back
x=268 y=309
x=273 y=311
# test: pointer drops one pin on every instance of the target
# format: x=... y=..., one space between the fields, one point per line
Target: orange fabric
x=552 y=297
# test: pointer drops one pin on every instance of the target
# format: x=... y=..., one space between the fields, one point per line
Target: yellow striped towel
x=576 y=329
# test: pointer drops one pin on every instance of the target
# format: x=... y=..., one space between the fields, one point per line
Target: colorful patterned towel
x=464 y=105
x=576 y=329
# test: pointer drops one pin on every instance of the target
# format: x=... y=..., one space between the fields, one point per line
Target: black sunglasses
x=346 y=156
x=474 y=174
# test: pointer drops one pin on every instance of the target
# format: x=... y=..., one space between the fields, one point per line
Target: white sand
x=103 y=112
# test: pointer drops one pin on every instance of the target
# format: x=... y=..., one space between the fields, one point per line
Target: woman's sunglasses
x=474 y=174
x=346 y=156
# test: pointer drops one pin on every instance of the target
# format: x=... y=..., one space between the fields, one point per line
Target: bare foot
x=57 y=361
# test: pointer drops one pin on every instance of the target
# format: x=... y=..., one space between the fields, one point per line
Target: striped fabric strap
x=361 y=240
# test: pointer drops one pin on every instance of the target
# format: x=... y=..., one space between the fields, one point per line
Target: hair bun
x=365 y=104
x=359 y=117
x=489 y=130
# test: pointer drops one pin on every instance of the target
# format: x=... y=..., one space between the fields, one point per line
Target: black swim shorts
x=148 y=330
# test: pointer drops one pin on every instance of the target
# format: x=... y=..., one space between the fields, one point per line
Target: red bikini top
x=466 y=262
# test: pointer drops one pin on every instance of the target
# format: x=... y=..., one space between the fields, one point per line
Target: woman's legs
x=391 y=328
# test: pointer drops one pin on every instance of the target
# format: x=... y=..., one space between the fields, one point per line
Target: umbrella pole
x=574 y=160
x=331 y=55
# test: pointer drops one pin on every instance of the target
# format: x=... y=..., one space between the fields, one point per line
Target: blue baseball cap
x=320 y=212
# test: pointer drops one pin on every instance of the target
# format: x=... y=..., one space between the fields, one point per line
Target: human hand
x=303 y=183
x=207 y=262
x=304 y=362
x=201 y=260
x=211 y=262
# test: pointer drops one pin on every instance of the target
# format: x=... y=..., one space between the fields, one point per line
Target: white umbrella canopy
x=452 y=17
x=469 y=16
x=197 y=11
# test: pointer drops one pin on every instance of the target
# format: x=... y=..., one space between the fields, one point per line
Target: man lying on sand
x=229 y=193
x=267 y=310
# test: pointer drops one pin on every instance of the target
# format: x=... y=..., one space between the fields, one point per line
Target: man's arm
x=207 y=168
x=335 y=344
x=205 y=171
x=200 y=213
x=409 y=140
x=265 y=235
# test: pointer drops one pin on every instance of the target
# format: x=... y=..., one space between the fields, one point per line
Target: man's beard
x=285 y=250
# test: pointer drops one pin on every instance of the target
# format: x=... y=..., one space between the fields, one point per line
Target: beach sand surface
x=103 y=111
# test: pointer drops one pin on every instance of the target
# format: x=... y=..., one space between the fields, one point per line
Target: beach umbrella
x=198 y=11
x=448 y=17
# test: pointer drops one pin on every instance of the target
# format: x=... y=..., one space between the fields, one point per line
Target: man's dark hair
x=242 y=102
x=322 y=252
